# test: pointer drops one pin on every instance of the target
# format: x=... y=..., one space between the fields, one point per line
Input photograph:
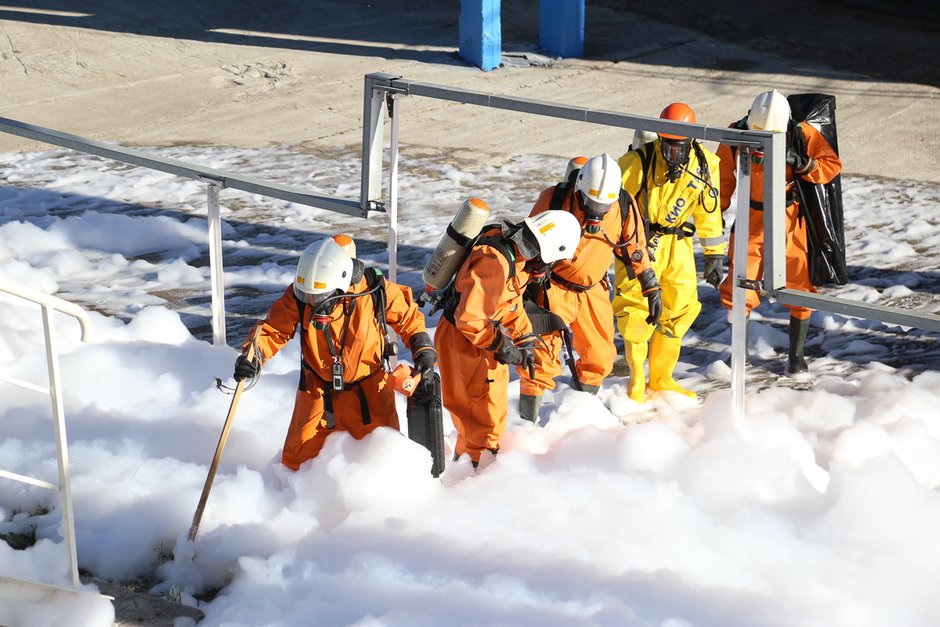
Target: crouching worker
x=341 y=309
x=485 y=328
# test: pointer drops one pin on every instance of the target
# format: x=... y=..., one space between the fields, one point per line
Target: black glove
x=423 y=353
x=653 y=293
x=245 y=368
x=801 y=163
x=528 y=360
x=797 y=156
x=507 y=352
x=714 y=270
x=424 y=362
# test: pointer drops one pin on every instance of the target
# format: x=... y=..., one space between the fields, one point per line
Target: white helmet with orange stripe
x=556 y=234
x=324 y=269
x=599 y=181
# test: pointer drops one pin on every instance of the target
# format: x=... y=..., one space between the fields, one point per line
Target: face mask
x=594 y=213
x=537 y=268
x=676 y=154
x=322 y=314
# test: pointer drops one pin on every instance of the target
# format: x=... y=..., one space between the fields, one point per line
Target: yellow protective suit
x=579 y=294
x=693 y=199
x=474 y=385
x=826 y=166
x=366 y=402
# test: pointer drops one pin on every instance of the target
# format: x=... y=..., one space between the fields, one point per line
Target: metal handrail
x=215 y=180
x=48 y=304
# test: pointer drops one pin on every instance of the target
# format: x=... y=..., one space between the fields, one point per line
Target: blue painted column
x=481 y=39
x=561 y=27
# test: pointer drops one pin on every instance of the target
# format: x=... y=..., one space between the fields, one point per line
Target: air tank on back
x=451 y=250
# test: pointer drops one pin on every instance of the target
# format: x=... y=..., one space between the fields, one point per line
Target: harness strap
x=569 y=285
x=328 y=392
x=686 y=229
x=758 y=205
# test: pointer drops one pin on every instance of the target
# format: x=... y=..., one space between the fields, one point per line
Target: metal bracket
x=745 y=158
x=212 y=180
x=753 y=284
x=377 y=205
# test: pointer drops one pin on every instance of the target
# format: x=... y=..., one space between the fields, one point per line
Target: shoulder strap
x=501 y=246
x=558 y=197
x=374 y=278
x=646 y=160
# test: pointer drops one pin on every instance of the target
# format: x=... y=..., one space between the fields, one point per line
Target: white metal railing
x=48 y=305
x=215 y=179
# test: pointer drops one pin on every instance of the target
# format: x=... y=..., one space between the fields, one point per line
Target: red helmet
x=679 y=112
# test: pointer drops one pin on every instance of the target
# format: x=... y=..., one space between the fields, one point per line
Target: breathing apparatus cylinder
x=451 y=250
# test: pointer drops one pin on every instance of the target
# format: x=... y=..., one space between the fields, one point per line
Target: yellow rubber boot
x=635 y=355
x=664 y=355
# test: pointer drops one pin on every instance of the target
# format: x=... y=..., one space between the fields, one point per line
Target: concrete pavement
x=290 y=73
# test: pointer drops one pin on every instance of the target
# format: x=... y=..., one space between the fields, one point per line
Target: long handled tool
x=197 y=518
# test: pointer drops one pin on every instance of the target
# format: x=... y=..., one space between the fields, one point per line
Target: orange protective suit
x=474 y=385
x=579 y=294
x=366 y=402
x=827 y=167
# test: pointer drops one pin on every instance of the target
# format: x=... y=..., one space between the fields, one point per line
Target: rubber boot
x=590 y=389
x=635 y=354
x=796 y=360
x=529 y=407
x=664 y=355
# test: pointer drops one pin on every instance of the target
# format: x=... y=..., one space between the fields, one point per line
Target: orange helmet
x=679 y=112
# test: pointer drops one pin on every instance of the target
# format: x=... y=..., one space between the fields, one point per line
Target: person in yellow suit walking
x=675 y=182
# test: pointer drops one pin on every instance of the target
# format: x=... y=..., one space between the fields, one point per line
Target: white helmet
x=599 y=180
x=556 y=232
x=641 y=138
x=323 y=269
x=770 y=112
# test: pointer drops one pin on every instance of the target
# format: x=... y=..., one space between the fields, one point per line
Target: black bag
x=821 y=204
x=426 y=420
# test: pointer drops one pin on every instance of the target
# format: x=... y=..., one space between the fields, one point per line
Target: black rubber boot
x=529 y=407
x=796 y=361
x=590 y=389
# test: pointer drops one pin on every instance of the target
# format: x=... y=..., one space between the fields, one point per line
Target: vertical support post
x=775 y=203
x=373 y=134
x=392 y=208
x=393 y=199
x=481 y=39
x=61 y=441
x=561 y=27
x=216 y=277
x=738 y=293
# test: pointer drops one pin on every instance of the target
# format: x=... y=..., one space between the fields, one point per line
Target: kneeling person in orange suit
x=477 y=337
x=341 y=309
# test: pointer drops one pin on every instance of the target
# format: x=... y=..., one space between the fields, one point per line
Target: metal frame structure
x=48 y=304
x=383 y=91
x=215 y=181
